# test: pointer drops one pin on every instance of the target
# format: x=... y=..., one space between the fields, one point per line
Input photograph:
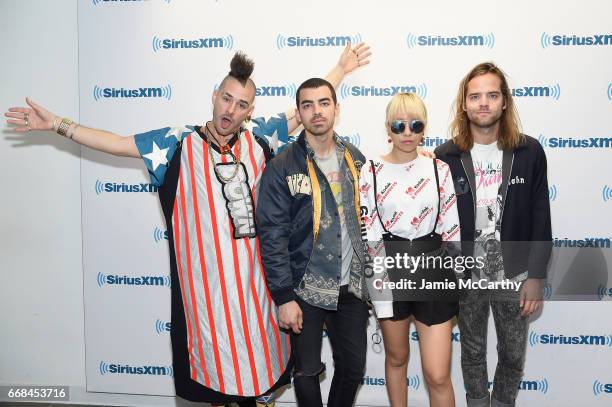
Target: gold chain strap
x=212 y=159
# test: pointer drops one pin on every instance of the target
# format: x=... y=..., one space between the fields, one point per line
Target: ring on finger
x=27 y=122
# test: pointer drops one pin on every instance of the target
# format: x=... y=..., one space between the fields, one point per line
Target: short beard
x=318 y=131
x=485 y=125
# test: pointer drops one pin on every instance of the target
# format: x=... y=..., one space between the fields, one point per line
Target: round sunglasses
x=415 y=126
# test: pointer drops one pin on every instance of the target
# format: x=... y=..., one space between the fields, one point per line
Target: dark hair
x=241 y=68
x=313 y=83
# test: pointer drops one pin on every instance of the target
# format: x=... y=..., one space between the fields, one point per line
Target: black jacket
x=525 y=220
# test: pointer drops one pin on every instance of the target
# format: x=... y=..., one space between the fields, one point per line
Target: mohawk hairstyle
x=241 y=68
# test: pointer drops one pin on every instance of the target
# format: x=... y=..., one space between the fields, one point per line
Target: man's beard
x=491 y=121
x=318 y=130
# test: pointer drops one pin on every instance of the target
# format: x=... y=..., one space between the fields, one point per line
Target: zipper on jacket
x=312 y=217
x=472 y=191
x=501 y=214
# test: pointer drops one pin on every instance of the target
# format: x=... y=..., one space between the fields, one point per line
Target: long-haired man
x=504 y=213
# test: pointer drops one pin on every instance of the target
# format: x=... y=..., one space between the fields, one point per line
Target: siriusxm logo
x=159 y=235
x=162 y=327
x=326 y=41
x=455 y=336
x=570 y=142
x=547 y=291
x=354 y=139
x=432 y=142
x=552 y=192
x=158 y=281
x=162 y=92
x=413 y=382
x=547 y=40
x=601 y=388
x=530 y=385
x=553 y=91
x=161 y=44
x=603 y=292
x=478 y=40
x=287 y=90
x=552 y=339
x=606 y=193
x=600 y=242
x=116 y=368
x=347 y=90
x=101 y=187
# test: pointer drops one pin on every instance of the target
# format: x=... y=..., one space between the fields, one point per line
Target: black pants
x=346 y=329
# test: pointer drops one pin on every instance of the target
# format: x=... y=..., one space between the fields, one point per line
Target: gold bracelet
x=63 y=127
x=55 y=123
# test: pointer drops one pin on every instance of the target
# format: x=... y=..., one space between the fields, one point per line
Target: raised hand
x=34 y=117
x=354 y=57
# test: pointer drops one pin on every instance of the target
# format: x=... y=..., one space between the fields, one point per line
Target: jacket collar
x=308 y=151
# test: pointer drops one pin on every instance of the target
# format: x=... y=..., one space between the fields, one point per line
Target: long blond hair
x=509 y=124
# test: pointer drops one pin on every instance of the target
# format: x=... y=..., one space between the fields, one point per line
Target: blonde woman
x=409 y=207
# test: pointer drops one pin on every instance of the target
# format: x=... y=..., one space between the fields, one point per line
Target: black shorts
x=426 y=312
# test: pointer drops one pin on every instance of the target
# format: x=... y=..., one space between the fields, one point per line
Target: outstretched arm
x=350 y=59
x=36 y=117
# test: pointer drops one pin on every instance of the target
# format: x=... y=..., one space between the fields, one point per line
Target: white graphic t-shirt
x=487 y=160
x=406 y=202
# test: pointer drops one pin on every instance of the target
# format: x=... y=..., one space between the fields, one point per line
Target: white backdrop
x=128 y=45
x=563 y=92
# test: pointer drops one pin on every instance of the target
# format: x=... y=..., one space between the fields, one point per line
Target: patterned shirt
x=234 y=343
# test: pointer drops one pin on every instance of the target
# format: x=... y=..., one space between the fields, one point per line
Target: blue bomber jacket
x=299 y=227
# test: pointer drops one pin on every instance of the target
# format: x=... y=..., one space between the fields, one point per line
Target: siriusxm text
x=458 y=41
x=142 y=280
x=550 y=339
x=123 y=187
x=565 y=40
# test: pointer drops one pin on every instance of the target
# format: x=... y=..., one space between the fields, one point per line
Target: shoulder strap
x=375 y=196
x=353 y=170
x=438 y=192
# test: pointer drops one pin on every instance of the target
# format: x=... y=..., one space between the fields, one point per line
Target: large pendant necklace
x=224 y=150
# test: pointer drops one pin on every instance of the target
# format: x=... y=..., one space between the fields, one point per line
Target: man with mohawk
x=226 y=343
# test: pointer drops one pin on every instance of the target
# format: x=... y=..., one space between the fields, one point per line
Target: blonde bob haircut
x=408 y=104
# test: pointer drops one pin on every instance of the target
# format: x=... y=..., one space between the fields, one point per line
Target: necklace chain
x=225 y=180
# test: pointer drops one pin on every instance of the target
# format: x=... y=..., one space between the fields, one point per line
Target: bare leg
x=397 y=349
x=435 y=346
